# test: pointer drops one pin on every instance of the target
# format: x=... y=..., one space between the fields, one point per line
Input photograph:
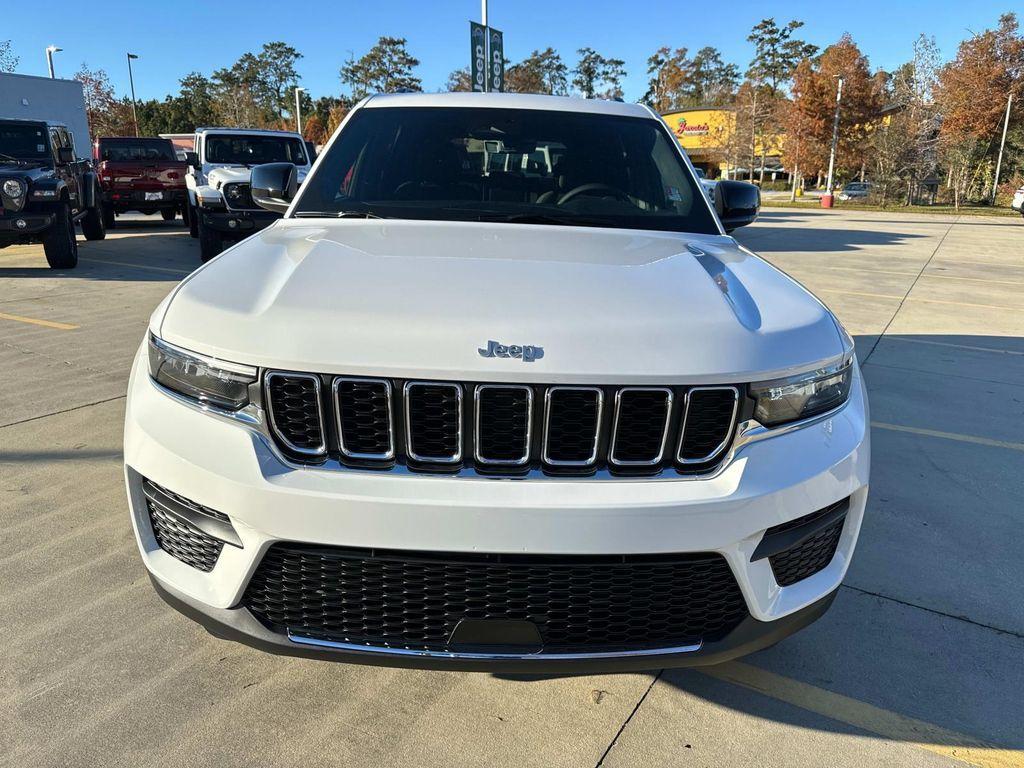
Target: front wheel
x=168 y=214
x=92 y=224
x=210 y=241
x=59 y=243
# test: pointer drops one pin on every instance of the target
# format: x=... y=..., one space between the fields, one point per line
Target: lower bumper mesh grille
x=183 y=541
x=808 y=558
x=415 y=600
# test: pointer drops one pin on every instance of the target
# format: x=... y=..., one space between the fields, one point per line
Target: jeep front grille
x=503 y=429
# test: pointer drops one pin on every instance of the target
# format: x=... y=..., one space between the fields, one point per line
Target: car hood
x=420 y=299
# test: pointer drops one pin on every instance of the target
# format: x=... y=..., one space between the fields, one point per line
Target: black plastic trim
x=774 y=543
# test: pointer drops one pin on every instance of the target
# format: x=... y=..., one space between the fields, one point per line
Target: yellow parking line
x=35 y=321
x=138 y=266
x=867 y=717
x=949 y=436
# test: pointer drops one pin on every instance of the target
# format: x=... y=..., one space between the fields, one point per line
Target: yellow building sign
x=709 y=137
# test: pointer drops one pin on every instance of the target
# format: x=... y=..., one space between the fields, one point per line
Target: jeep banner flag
x=487 y=70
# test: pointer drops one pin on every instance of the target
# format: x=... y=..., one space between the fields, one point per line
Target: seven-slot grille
x=500 y=427
x=389 y=599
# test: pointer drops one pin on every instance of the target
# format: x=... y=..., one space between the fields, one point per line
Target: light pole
x=1002 y=145
x=131 y=80
x=50 y=50
x=298 y=110
x=487 y=46
x=835 y=137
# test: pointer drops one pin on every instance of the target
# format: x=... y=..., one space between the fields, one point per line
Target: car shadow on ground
x=812 y=239
x=138 y=258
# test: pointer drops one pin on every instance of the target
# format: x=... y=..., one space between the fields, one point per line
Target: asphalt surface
x=920 y=662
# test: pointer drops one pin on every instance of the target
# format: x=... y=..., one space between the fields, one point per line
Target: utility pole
x=50 y=50
x=487 y=46
x=131 y=80
x=1002 y=145
x=835 y=137
x=298 y=110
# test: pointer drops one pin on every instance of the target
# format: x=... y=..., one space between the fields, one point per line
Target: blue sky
x=176 y=37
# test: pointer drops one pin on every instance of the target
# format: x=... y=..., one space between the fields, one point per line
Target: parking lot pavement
x=919 y=662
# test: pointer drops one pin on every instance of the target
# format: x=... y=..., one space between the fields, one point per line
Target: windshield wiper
x=336 y=215
x=5 y=156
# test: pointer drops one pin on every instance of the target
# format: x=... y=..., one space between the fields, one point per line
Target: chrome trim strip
x=728 y=435
x=525 y=458
x=454 y=458
x=321 y=449
x=535 y=656
x=664 y=429
x=387 y=455
x=547 y=420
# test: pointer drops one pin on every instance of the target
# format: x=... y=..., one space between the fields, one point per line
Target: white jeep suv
x=463 y=410
x=220 y=206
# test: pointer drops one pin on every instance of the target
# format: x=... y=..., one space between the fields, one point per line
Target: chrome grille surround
x=335 y=389
x=666 y=427
x=453 y=458
x=478 y=394
x=548 y=397
x=721 y=447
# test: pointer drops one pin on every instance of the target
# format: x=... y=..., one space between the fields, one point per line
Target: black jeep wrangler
x=44 y=190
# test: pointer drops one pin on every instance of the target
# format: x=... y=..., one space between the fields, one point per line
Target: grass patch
x=944 y=210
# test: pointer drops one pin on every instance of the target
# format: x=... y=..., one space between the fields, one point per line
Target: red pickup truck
x=140 y=174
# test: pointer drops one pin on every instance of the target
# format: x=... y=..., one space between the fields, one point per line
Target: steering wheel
x=584 y=189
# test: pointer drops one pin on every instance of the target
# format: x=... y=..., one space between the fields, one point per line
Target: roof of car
x=30 y=121
x=266 y=131
x=509 y=101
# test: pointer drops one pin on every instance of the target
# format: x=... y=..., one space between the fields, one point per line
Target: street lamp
x=298 y=110
x=50 y=50
x=835 y=136
x=131 y=80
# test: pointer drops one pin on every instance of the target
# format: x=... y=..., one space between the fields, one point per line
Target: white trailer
x=28 y=97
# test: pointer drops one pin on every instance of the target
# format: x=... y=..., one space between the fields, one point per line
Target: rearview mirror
x=65 y=155
x=274 y=185
x=737 y=203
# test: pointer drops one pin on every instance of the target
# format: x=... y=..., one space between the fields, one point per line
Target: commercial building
x=715 y=143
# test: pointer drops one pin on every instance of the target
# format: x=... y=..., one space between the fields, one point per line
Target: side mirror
x=310 y=151
x=737 y=203
x=273 y=185
x=192 y=159
x=65 y=155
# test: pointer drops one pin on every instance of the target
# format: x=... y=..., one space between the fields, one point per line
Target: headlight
x=801 y=397
x=202 y=378
x=13 y=188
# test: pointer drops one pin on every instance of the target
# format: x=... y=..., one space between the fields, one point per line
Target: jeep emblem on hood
x=527 y=353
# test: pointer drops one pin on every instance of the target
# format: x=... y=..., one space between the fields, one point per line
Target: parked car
x=492 y=416
x=140 y=174
x=1018 y=200
x=222 y=210
x=45 y=190
x=856 y=190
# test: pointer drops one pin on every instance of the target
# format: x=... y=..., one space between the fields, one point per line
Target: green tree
x=540 y=72
x=459 y=80
x=711 y=82
x=277 y=70
x=105 y=113
x=594 y=71
x=669 y=71
x=386 y=68
x=8 y=61
x=776 y=53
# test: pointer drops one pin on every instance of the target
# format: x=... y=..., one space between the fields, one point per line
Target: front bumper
x=234 y=468
x=18 y=224
x=238 y=223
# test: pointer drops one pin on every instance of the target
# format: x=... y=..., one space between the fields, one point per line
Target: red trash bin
x=826 y=200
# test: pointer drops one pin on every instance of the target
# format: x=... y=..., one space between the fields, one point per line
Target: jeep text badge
x=526 y=353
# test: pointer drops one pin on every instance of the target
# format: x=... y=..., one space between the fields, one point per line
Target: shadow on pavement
x=139 y=258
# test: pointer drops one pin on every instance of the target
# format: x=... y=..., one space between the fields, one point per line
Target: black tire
x=108 y=216
x=168 y=214
x=193 y=220
x=59 y=242
x=210 y=242
x=92 y=224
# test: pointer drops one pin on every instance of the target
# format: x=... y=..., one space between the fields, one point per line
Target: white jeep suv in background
x=220 y=207
x=465 y=410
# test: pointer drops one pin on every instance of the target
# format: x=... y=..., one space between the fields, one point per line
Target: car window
x=137 y=150
x=469 y=163
x=254 y=150
x=24 y=140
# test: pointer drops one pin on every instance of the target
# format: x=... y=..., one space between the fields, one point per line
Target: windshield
x=24 y=141
x=137 y=150
x=254 y=150
x=485 y=164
